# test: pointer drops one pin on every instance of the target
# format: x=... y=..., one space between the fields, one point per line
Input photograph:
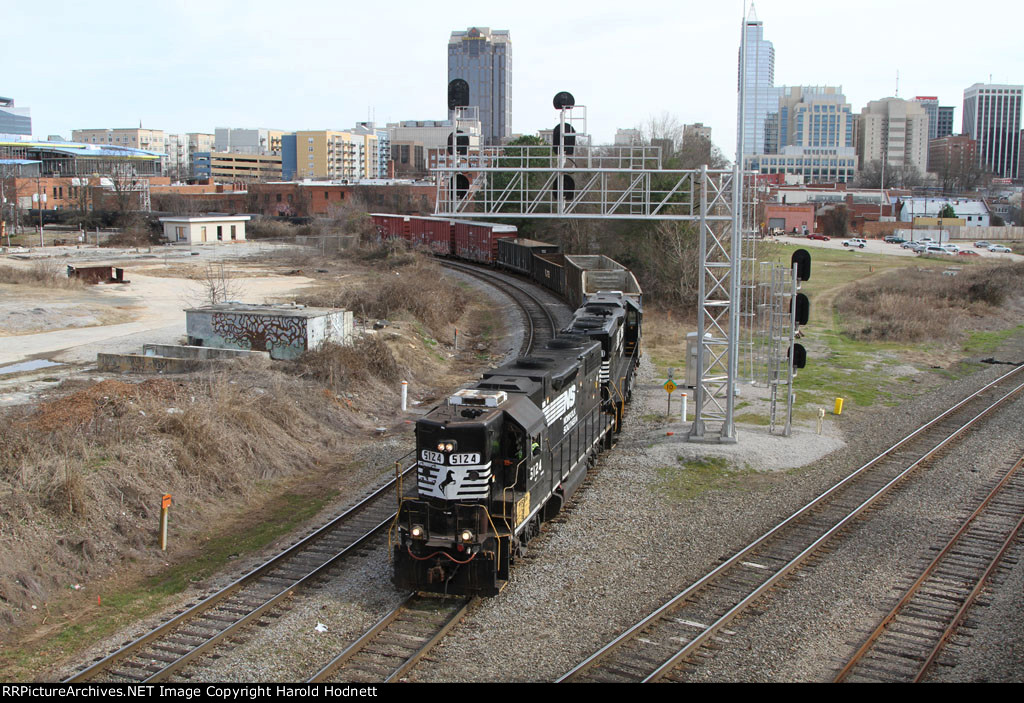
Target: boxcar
x=433 y=233
x=391 y=226
x=478 y=241
x=517 y=254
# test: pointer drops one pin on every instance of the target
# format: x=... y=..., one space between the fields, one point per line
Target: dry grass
x=43 y=272
x=924 y=305
x=340 y=367
x=91 y=466
x=412 y=284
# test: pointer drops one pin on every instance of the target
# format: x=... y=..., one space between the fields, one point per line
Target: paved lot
x=877 y=246
x=155 y=304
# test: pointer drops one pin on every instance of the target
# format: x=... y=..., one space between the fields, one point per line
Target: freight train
x=502 y=456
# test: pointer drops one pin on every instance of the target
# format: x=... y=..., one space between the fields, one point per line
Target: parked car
x=893 y=239
x=967 y=252
x=951 y=248
x=936 y=249
x=908 y=245
x=855 y=242
x=1000 y=249
x=983 y=244
x=816 y=235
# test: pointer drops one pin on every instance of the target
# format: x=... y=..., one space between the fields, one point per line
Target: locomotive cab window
x=535 y=446
x=515 y=445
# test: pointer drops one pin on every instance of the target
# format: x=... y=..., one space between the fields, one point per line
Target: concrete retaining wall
x=177 y=351
x=990 y=234
x=138 y=363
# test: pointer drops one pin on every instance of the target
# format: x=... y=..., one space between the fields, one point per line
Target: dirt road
x=152 y=309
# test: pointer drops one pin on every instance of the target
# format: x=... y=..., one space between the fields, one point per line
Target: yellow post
x=838 y=410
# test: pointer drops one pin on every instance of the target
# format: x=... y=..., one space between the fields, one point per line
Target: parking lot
x=877 y=246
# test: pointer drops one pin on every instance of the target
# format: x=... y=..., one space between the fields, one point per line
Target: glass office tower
x=761 y=97
x=483 y=58
x=992 y=116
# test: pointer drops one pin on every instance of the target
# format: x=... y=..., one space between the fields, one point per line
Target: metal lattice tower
x=574 y=180
x=779 y=313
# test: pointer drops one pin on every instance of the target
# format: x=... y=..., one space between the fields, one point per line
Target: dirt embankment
x=82 y=471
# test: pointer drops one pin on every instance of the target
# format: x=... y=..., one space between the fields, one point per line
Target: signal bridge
x=572 y=179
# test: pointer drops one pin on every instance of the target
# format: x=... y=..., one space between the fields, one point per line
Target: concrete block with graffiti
x=285 y=331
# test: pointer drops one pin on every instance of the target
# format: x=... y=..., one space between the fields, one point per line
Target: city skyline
x=203 y=66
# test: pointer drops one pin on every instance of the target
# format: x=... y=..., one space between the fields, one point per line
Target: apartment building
x=895 y=131
x=336 y=155
x=134 y=138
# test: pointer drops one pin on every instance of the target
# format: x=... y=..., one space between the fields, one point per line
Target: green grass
x=837 y=365
x=120 y=608
x=694 y=477
x=752 y=419
x=989 y=342
x=664 y=363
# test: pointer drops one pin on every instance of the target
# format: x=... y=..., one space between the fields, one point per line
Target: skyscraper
x=894 y=131
x=813 y=116
x=940 y=117
x=760 y=96
x=992 y=118
x=483 y=58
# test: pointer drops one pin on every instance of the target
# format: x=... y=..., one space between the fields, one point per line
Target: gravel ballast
x=630 y=542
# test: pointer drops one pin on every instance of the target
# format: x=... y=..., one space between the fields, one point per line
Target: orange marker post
x=165 y=507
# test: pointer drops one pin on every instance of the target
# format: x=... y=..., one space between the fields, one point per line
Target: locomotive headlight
x=440 y=446
x=418 y=532
x=449 y=447
x=466 y=536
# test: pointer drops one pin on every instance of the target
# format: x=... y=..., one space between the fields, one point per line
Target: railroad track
x=541 y=325
x=166 y=650
x=392 y=647
x=196 y=631
x=654 y=648
x=909 y=639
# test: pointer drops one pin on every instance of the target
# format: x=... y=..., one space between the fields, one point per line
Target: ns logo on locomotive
x=501 y=457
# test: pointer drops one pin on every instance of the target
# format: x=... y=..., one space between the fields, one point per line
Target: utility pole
x=40 y=201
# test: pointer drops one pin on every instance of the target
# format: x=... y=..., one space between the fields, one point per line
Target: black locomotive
x=501 y=457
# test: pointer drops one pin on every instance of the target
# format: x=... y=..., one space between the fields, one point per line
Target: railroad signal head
x=799 y=355
x=568 y=187
x=802 y=260
x=461 y=140
x=564 y=99
x=460 y=185
x=458 y=93
x=570 y=138
x=802 y=307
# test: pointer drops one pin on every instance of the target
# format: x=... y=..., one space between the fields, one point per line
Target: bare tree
x=901 y=175
x=836 y=221
x=664 y=126
x=7 y=193
x=216 y=285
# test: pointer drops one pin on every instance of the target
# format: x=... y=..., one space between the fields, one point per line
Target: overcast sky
x=191 y=66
